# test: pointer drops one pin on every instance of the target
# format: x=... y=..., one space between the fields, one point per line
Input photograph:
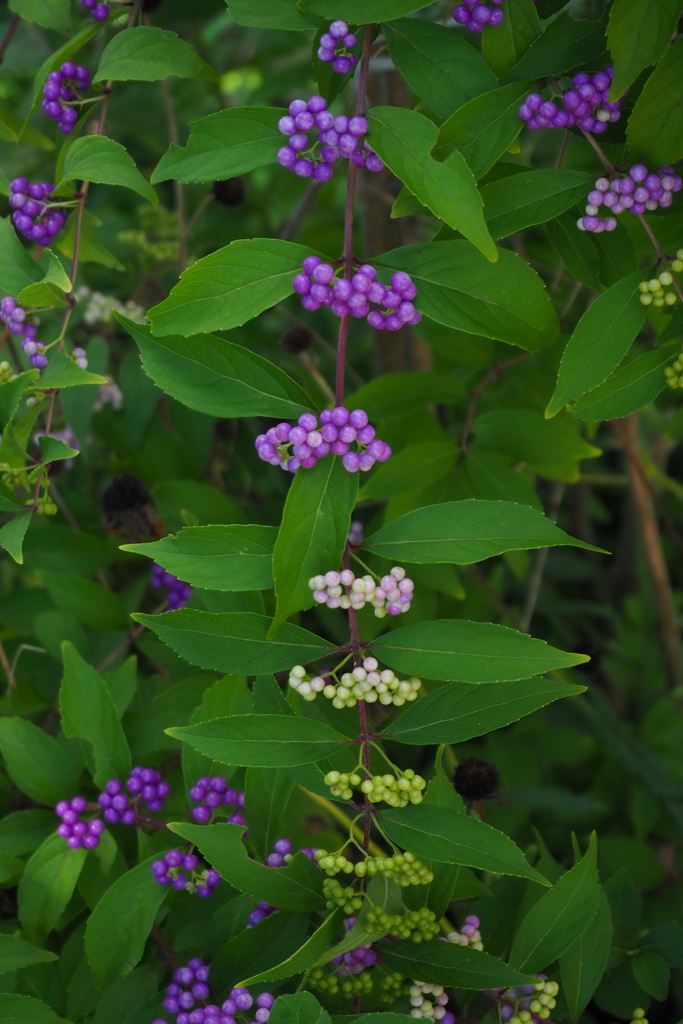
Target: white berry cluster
x=469 y=934
x=391 y=597
x=363 y=683
x=427 y=1001
x=397 y=792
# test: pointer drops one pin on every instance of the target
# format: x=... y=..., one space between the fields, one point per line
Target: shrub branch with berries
x=328 y=752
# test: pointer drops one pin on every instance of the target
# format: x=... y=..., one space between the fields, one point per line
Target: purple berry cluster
x=392 y=596
x=310 y=441
x=261 y=911
x=179 y=870
x=356 y=534
x=336 y=137
x=474 y=14
x=469 y=934
x=282 y=854
x=212 y=793
x=333 y=46
x=638 y=191
x=36 y=218
x=586 y=104
x=177 y=592
x=100 y=12
x=74 y=829
x=318 y=286
x=62 y=87
x=144 y=784
x=356 y=960
x=147 y=784
x=14 y=316
x=189 y=987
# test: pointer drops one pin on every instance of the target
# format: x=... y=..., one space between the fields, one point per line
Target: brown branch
x=475 y=395
x=626 y=431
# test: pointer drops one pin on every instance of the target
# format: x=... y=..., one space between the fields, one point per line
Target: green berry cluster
x=652 y=292
x=365 y=682
x=44 y=505
x=357 y=984
x=404 y=868
x=397 y=792
x=639 y=1013
x=6 y=372
x=540 y=1005
x=338 y=896
x=415 y=924
x=674 y=373
x=391 y=987
x=323 y=981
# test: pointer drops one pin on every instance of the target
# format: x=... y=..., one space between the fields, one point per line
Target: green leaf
x=54 y=14
x=437 y=63
x=35 y=762
x=90 y=249
x=404 y=139
x=652 y=973
x=27 y=1010
x=258 y=948
x=299 y=1008
x=47 y=885
x=532 y=197
x=463 y=532
x=628 y=389
x=43 y=293
x=460 y=711
x=268 y=14
x=11 y=393
x=652 y=25
x=552 y=448
x=505 y=44
x=99 y=159
x=17 y=269
x=583 y=964
x=230 y=287
x=666 y=939
x=458 y=287
x=456 y=650
x=54 y=450
x=15 y=954
x=88 y=712
x=425 y=462
x=360 y=12
x=296 y=886
x=227 y=558
x=304 y=957
x=147 y=54
x=315 y=524
x=399 y=394
x=119 y=926
x=223 y=145
x=63 y=372
x=12 y=535
x=215 y=376
x=655 y=127
x=618 y=256
x=484 y=128
x=91 y=602
x=456 y=839
x=272 y=741
x=267 y=790
x=600 y=341
x=235 y=642
x=560 y=916
x=444 y=963
x=564 y=46
x=577 y=249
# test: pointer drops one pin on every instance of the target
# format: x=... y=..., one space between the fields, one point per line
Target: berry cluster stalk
x=347 y=257
x=347 y=254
